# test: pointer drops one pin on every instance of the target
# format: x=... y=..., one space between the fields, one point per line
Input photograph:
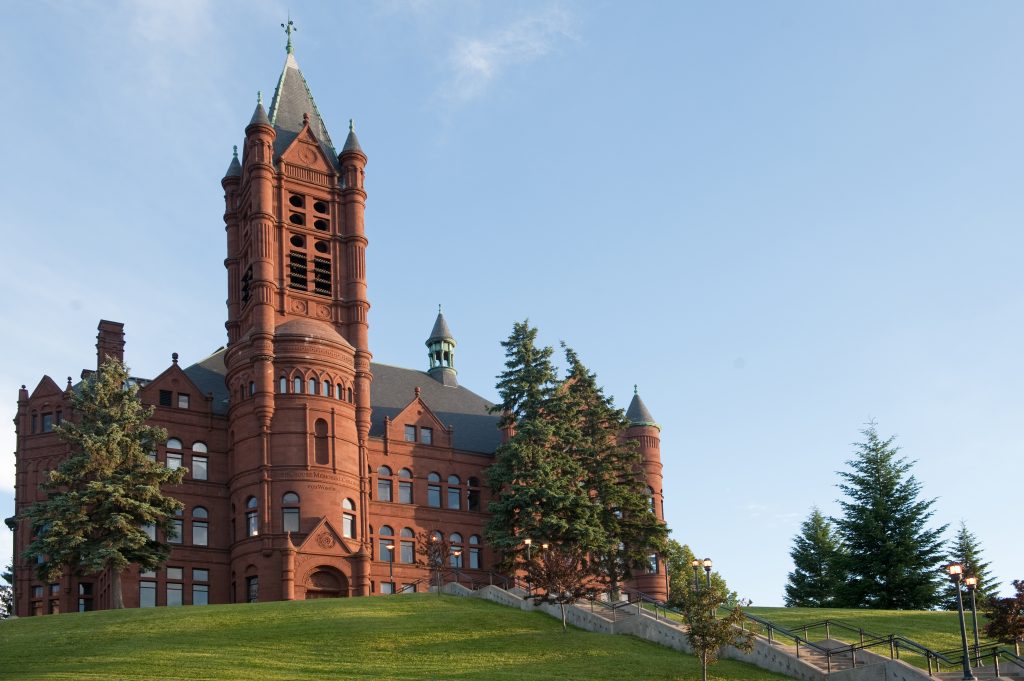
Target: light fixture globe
x=707 y=563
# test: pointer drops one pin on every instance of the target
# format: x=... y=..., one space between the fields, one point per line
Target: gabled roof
x=292 y=99
x=638 y=413
x=208 y=375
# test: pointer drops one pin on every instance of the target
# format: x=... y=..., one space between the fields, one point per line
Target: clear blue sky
x=780 y=219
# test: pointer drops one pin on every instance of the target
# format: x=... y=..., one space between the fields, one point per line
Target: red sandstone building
x=306 y=459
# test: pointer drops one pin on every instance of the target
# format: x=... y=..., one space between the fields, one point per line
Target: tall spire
x=638 y=414
x=289 y=28
x=292 y=101
x=441 y=352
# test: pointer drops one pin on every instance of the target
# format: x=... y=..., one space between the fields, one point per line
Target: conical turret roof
x=234 y=168
x=440 y=330
x=292 y=100
x=351 y=142
x=259 y=116
x=638 y=414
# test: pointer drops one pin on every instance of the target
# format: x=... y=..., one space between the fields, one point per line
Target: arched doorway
x=325 y=582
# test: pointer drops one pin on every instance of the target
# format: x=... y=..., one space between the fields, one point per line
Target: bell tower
x=298 y=358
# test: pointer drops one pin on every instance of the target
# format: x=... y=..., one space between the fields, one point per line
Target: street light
x=956 y=575
x=695 y=564
x=529 y=581
x=972 y=586
x=391 y=565
x=707 y=570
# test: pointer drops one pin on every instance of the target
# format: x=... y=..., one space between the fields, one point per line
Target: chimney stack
x=109 y=342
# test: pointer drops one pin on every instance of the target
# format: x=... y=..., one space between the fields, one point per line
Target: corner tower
x=298 y=359
x=647 y=434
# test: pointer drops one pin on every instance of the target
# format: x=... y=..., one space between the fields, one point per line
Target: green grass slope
x=417 y=636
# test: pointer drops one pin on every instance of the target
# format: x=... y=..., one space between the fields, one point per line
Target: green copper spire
x=289 y=28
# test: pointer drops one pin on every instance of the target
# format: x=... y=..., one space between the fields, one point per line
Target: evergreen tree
x=7 y=593
x=107 y=492
x=589 y=428
x=894 y=557
x=966 y=550
x=539 y=490
x=817 y=553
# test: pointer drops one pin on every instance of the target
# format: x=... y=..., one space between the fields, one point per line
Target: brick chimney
x=109 y=342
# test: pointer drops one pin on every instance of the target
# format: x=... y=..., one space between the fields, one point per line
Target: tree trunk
x=704 y=666
x=561 y=605
x=115 y=588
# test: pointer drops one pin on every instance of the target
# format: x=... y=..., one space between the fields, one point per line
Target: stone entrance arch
x=326 y=582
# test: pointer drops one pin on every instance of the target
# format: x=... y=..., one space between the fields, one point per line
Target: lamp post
x=391 y=565
x=529 y=582
x=458 y=558
x=695 y=564
x=972 y=587
x=956 y=575
x=707 y=569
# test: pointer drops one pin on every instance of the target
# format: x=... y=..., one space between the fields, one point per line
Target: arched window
x=339 y=391
x=312 y=386
x=386 y=539
x=174 y=443
x=290 y=512
x=282 y=385
x=252 y=388
x=252 y=526
x=321 y=447
x=473 y=494
x=474 y=552
x=348 y=519
x=173 y=459
x=350 y=394
x=327 y=388
x=384 y=484
x=297 y=384
x=436 y=535
x=455 y=548
x=407 y=553
x=454 y=493
x=650 y=498
x=199 y=447
x=200 y=526
x=434 y=490
x=405 y=486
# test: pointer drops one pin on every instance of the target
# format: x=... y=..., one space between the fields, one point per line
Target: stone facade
x=306 y=459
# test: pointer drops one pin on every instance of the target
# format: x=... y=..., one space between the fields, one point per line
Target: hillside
x=419 y=636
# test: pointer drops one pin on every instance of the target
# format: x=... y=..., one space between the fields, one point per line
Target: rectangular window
x=297 y=270
x=173 y=593
x=182 y=400
x=84 y=597
x=383 y=490
x=47 y=423
x=174 y=536
x=291 y=519
x=200 y=533
x=410 y=433
x=386 y=554
x=408 y=553
x=55 y=589
x=199 y=575
x=252 y=589
x=322 y=276
x=348 y=528
x=454 y=493
x=473 y=499
x=405 y=492
x=252 y=527
x=387 y=587
x=427 y=436
x=165 y=398
x=151 y=456
x=35 y=424
x=37 y=592
x=474 y=559
x=408 y=589
x=147 y=574
x=200 y=594
x=147 y=594
x=173 y=461
x=199 y=467
x=59 y=417
x=175 y=573
x=150 y=531
x=434 y=496
x=653 y=563
x=456 y=560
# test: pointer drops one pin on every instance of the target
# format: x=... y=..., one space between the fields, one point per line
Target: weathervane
x=289 y=28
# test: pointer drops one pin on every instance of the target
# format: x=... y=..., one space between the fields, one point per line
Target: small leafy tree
x=966 y=550
x=7 y=593
x=437 y=552
x=560 y=574
x=894 y=556
x=1006 y=617
x=105 y=495
x=817 y=575
x=679 y=563
x=707 y=633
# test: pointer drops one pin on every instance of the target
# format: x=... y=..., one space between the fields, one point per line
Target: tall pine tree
x=107 y=492
x=590 y=427
x=893 y=557
x=966 y=550
x=817 y=575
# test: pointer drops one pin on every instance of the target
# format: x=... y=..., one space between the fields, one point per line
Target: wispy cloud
x=477 y=61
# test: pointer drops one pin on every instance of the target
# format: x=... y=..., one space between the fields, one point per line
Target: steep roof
x=440 y=330
x=638 y=413
x=292 y=99
x=208 y=375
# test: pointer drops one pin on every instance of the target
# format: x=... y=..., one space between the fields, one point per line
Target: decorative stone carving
x=324 y=540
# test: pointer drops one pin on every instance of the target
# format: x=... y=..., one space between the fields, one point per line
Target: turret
x=441 y=352
x=647 y=433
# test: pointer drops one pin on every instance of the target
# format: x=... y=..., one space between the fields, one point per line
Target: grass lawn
x=419 y=636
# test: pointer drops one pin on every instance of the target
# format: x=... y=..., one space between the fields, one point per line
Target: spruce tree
x=590 y=429
x=104 y=495
x=966 y=550
x=539 y=491
x=893 y=557
x=817 y=575
x=7 y=593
